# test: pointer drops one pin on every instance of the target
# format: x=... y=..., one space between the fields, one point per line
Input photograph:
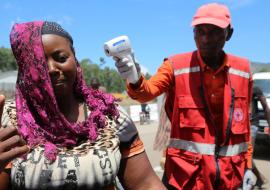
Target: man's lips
x=208 y=48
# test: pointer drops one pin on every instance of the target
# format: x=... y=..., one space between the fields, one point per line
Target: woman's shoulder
x=131 y=143
x=126 y=128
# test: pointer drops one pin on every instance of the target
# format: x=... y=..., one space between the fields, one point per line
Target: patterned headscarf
x=39 y=119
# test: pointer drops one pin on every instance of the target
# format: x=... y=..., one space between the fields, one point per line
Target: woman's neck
x=71 y=108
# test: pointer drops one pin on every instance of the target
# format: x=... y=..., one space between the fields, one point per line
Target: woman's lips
x=58 y=82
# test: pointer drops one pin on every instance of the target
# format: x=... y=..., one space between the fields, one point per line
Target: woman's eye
x=60 y=58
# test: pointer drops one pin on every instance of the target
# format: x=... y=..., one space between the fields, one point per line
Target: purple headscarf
x=40 y=121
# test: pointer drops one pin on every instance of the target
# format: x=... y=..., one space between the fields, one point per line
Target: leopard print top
x=89 y=165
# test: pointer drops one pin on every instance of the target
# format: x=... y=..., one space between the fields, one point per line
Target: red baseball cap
x=213 y=13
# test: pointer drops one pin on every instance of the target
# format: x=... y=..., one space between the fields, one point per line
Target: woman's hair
x=39 y=119
x=55 y=28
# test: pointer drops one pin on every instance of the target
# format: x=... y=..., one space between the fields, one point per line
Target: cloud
x=136 y=1
x=64 y=20
x=235 y=4
x=17 y=20
x=7 y=6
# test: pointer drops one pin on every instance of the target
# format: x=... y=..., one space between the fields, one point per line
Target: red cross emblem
x=238 y=114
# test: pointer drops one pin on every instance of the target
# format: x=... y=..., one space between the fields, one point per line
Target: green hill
x=260 y=67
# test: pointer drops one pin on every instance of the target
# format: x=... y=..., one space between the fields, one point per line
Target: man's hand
x=125 y=68
x=267 y=130
x=249 y=180
x=11 y=144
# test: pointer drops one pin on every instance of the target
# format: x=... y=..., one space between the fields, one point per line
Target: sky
x=156 y=28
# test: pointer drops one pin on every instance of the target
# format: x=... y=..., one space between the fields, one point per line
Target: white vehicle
x=262 y=80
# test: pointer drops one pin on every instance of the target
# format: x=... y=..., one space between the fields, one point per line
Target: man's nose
x=206 y=38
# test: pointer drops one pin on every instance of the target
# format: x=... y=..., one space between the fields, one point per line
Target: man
x=258 y=97
x=210 y=92
x=94 y=83
x=145 y=108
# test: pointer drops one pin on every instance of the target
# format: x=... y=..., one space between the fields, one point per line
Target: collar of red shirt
x=204 y=67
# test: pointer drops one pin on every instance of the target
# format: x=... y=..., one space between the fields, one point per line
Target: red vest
x=196 y=158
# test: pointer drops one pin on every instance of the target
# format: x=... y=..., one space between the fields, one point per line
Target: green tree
x=90 y=70
x=265 y=69
x=7 y=60
x=102 y=61
x=118 y=84
x=147 y=76
x=109 y=78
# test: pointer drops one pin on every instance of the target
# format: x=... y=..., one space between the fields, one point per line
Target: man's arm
x=250 y=147
x=266 y=109
x=146 y=90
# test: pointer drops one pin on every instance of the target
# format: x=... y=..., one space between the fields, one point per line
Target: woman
x=79 y=138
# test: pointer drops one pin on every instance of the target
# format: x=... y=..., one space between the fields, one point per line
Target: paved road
x=262 y=161
x=147 y=133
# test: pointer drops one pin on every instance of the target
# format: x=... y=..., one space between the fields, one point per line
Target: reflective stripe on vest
x=239 y=73
x=208 y=149
x=197 y=69
x=186 y=70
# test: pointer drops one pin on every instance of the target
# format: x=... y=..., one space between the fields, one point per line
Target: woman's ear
x=230 y=33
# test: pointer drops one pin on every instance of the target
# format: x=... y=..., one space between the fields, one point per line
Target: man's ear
x=230 y=33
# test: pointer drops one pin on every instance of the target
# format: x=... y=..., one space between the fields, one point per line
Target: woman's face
x=61 y=63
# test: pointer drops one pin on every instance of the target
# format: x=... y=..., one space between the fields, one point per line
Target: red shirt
x=214 y=81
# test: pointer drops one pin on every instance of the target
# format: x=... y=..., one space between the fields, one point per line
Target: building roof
x=8 y=77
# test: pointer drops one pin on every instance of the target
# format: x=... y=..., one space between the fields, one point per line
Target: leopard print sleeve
x=130 y=142
x=126 y=128
x=9 y=114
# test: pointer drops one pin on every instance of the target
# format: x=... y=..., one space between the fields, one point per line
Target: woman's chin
x=60 y=90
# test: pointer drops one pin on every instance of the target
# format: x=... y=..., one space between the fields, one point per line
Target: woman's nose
x=52 y=67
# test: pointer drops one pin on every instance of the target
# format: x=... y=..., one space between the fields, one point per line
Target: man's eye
x=199 y=32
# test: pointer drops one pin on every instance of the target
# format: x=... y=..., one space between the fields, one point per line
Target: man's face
x=95 y=84
x=210 y=39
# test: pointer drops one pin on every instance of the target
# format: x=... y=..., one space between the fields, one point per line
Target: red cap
x=213 y=13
